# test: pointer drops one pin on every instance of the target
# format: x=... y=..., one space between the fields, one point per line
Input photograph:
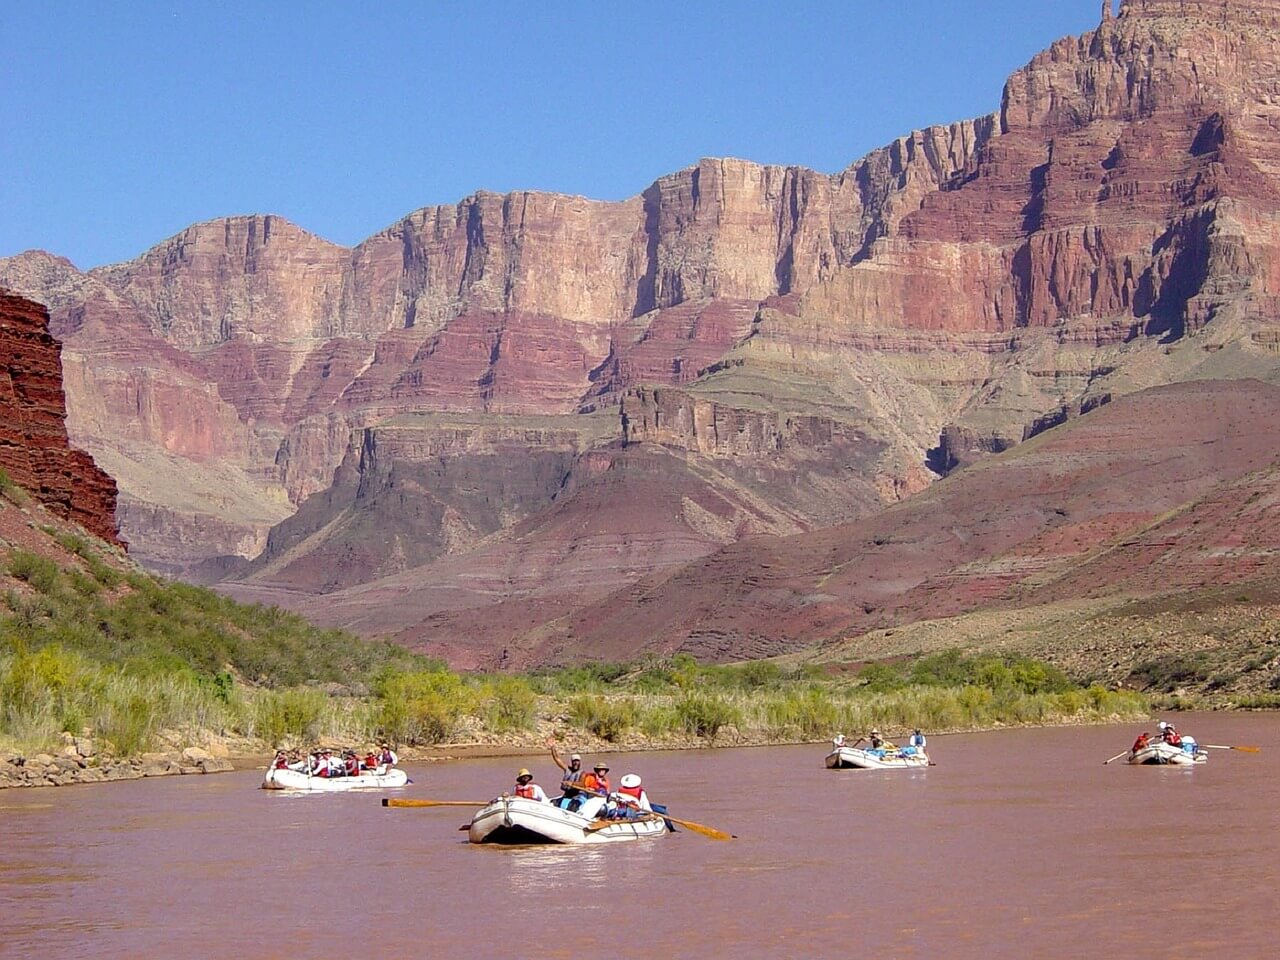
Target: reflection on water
x=1018 y=844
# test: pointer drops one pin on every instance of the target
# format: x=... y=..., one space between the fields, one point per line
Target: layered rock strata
x=34 y=449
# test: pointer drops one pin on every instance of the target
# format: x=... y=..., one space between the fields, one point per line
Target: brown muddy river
x=1017 y=844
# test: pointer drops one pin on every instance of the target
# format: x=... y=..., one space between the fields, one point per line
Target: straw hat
x=524 y=773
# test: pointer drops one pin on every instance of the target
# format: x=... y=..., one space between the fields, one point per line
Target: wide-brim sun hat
x=600 y=765
x=524 y=773
x=630 y=780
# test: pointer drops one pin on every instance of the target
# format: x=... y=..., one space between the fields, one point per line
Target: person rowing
x=876 y=742
x=630 y=801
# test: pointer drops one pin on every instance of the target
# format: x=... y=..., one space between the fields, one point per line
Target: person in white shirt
x=386 y=759
x=527 y=789
x=917 y=740
x=631 y=798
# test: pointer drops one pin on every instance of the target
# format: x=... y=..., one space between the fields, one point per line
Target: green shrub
x=608 y=719
x=509 y=703
x=423 y=707
x=808 y=714
x=128 y=724
x=279 y=716
x=40 y=573
x=704 y=716
x=10 y=490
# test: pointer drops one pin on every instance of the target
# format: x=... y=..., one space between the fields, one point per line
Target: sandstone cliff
x=34 y=450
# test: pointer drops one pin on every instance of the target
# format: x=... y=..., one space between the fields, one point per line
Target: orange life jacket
x=525 y=790
x=596 y=781
x=636 y=792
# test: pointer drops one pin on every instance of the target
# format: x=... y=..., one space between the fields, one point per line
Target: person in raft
x=917 y=740
x=630 y=800
x=572 y=770
x=876 y=741
x=1143 y=741
x=527 y=789
x=595 y=787
x=386 y=758
x=1170 y=735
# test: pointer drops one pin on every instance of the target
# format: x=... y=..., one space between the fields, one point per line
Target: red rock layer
x=34 y=449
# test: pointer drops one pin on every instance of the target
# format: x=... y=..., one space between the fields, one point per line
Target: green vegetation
x=136 y=662
x=11 y=491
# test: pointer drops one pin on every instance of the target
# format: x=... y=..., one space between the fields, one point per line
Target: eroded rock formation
x=34 y=450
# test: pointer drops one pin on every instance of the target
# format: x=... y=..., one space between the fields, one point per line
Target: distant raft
x=879 y=758
x=286 y=779
x=515 y=820
x=1157 y=752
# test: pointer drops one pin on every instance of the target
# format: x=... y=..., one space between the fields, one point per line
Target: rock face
x=34 y=450
x=799 y=349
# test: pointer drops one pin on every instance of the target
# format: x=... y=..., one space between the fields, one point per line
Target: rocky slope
x=34 y=450
x=1082 y=510
x=799 y=345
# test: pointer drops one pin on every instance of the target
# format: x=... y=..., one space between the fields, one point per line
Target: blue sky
x=124 y=122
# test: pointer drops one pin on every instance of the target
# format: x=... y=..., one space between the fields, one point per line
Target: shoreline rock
x=44 y=770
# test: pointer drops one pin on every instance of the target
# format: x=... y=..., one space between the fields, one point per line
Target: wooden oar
x=405 y=802
x=701 y=828
x=1116 y=757
x=1218 y=746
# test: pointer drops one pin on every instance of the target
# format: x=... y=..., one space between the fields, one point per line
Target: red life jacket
x=636 y=792
x=525 y=790
x=281 y=763
x=1141 y=743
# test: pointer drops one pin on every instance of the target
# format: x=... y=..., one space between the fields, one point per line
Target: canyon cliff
x=34 y=450
x=503 y=410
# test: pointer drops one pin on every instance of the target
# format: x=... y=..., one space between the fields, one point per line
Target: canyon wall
x=809 y=347
x=34 y=449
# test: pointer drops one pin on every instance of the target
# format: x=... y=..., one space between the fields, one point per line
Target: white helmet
x=630 y=780
x=1161 y=725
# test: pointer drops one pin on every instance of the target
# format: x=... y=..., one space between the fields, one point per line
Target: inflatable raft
x=514 y=820
x=286 y=779
x=1158 y=752
x=905 y=758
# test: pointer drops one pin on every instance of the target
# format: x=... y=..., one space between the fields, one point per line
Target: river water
x=1017 y=844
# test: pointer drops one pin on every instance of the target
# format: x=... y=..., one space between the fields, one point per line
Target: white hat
x=630 y=780
x=1161 y=725
x=576 y=756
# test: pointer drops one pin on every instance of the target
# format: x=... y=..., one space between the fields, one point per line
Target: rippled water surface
x=1017 y=844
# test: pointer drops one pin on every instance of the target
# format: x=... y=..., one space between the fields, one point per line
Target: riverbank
x=78 y=762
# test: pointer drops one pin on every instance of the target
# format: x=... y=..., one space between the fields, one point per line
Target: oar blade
x=702 y=828
x=1221 y=746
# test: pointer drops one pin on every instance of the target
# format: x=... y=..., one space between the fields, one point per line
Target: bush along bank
x=67 y=717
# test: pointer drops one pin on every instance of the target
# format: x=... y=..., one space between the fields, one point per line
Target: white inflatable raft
x=906 y=758
x=514 y=820
x=286 y=779
x=1159 y=752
